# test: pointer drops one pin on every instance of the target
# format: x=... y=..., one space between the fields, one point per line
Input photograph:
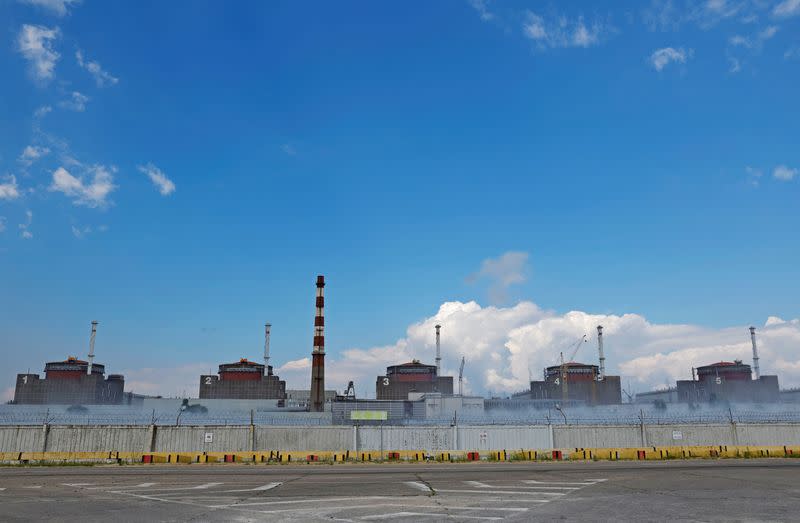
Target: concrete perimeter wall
x=57 y=438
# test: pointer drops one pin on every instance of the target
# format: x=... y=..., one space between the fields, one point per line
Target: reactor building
x=244 y=379
x=71 y=382
x=400 y=380
x=730 y=381
x=578 y=382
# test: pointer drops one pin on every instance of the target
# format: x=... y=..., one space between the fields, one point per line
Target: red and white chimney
x=318 y=354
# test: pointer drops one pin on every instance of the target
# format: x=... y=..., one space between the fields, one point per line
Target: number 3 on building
x=385 y=382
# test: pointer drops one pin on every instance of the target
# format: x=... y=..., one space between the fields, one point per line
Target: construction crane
x=564 y=363
x=461 y=378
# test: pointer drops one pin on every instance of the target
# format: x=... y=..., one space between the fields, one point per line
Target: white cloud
x=482 y=7
x=8 y=188
x=295 y=365
x=35 y=42
x=511 y=268
x=159 y=179
x=31 y=153
x=92 y=194
x=560 y=31
x=2 y=223
x=42 y=111
x=288 y=149
x=77 y=102
x=784 y=173
x=501 y=344
x=101 y=77
x=787 y=8
x=24 y=227
x=663 y=57
x=792 y=52
x=56 y=7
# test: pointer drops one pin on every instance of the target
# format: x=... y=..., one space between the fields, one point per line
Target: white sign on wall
x=209 y=437
x=676 y=434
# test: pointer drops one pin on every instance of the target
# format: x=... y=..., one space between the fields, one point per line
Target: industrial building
x=244 y=380
x=728 y=381
x=71 y=382
x=401 y=380
x=722 y=381
x=572 y=381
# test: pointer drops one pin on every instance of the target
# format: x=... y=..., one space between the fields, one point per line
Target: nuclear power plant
x=410 y=390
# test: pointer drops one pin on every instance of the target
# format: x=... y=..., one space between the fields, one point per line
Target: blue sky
x=182 y=171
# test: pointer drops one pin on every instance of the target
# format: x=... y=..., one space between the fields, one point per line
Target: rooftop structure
x=70 y=382
x=400 y=380
x=243 y=379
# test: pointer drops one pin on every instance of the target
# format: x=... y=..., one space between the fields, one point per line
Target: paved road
x=729 y=490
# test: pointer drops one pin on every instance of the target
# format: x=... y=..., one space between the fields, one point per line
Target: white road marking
x=166 y=489
x=145 y=485
x=207 y=485
x=268 y=486
x=33 y=486
x=582 y=483
x=296 y=501
x=478 y=484
x=418 y=485
x=2 y=488
x=428 y=514
x=457 y=491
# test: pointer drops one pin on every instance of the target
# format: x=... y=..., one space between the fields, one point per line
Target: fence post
x=641 y=427
x=252 y=433
x=45 y=433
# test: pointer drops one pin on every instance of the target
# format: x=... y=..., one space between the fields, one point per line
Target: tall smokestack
x=602 y=372
x=438 y=352
x=756 y=370
x=318 y=355
x=91 y=347
x=267 y=328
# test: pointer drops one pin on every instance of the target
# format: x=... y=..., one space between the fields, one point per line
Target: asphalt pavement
x=702 y=490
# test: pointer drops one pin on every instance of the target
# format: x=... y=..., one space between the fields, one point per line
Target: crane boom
x=564 y=386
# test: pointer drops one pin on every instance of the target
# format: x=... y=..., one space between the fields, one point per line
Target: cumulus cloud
x=663 y=57
x=784 y=173
x=42 y=111
x=482 y=7
x=509 y=269
x=101 y=77
x=31 y=153
x=35 y=42
x=164 y=185
x=24 y=227
x=501 y=344
x=787 y=8
x=91 y=193
x=8 y=187
x=76 y=102
x=561 y=31
x=56 y=7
